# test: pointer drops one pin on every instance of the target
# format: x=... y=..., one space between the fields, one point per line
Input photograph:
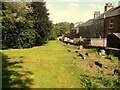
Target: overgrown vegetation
x=91 y=75
x=99 y=82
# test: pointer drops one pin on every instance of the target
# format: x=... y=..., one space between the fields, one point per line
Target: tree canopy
x=24 y=24
x=59 y=29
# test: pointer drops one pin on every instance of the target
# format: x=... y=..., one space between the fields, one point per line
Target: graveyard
x=59 y=65
x=60 y=44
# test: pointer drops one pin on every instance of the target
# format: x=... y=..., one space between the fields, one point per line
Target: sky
x=73 y=11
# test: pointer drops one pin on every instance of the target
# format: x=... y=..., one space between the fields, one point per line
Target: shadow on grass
x=13 y=74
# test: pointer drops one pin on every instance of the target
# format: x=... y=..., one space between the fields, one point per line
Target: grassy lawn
x=56 y=65
x=47 y=66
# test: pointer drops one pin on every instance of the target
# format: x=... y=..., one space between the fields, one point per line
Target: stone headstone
x=81 y=47
x=102 y=53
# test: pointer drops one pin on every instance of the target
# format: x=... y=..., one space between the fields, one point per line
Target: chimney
x=119 y=3
x=108 y=6
x=96 y=14
x=119 y=6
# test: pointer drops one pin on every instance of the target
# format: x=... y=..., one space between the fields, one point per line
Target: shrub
x=89 y=82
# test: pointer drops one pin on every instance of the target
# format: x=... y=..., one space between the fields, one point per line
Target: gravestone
x=81 y=47
x=102 y=53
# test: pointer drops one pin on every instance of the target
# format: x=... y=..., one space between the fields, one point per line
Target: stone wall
x=98 y=42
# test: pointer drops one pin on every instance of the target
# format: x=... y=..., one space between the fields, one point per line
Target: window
x=111 y=24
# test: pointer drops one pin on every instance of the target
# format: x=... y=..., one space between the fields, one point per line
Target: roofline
x=114 y=34
x=108 y=17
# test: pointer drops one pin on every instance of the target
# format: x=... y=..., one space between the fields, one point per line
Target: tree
x=55 y=32
x=71 y=25
x=59 y=29
x=42 y=24
x=17 y=27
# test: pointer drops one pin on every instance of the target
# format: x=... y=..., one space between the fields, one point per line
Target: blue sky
x=75 y=10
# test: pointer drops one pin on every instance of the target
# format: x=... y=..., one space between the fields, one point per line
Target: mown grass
x=56 y=65
x=47 y=66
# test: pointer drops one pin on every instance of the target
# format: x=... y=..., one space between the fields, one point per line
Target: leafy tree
x=17 y=27
x=64 y=26
x=55 y=31
x=59 y=29
x=71 y=25
x=42 y=24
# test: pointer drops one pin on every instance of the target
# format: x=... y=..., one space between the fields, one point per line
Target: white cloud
x=72 y=13
x=96 y=7
x=73 y=6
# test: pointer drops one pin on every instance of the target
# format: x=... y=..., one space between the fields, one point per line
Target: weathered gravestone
x=81 y=47
x=102 y=53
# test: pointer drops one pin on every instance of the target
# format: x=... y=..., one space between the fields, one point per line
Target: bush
x=110 y=82
x=89 y=82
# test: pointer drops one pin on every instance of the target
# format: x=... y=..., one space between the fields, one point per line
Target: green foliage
x=111 y=82
x=89 y=82
x=64 y=26
x=112 y=57
x=24 y=24
x=42 y=24
x=54 y=32
x=59 y=29
x=17 y=27
x=101 y=82
x=93 y=50
x=71 y=25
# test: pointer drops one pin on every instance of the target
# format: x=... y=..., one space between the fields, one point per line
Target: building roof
x=112 y=12
x=116 y=34
x=88 y=23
